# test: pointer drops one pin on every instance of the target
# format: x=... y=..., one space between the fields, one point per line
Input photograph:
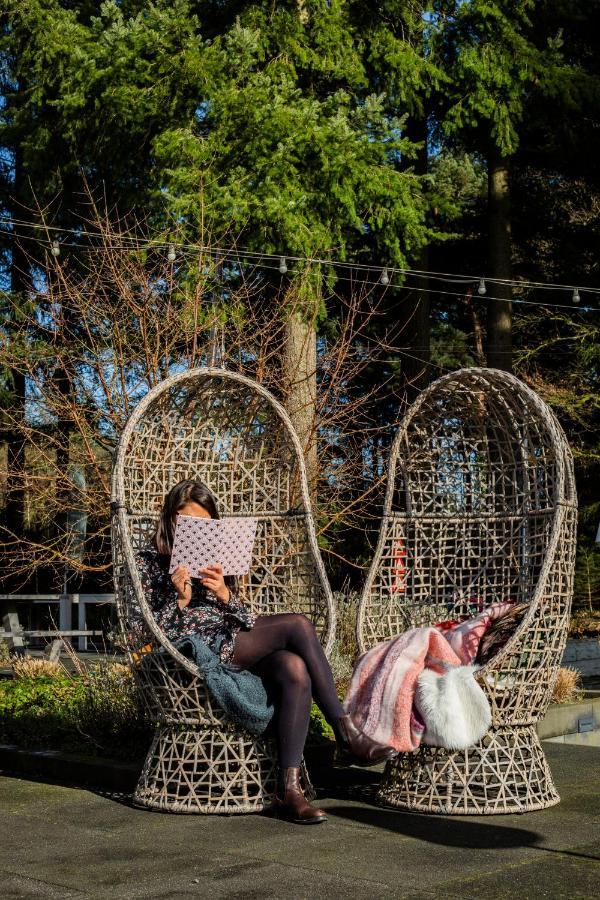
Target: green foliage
x=97 y=713
x=493 y=61
x=319 y=731
x=288 y=120
x=110 y=713
x=39 y=712
x=293 y=145
x=458 y=184
x=450 y=346
x=587 y=578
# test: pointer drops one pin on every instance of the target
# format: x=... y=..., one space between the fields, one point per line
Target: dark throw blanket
x=240 y=694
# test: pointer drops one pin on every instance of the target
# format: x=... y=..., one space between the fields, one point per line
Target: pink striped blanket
x=420 y=686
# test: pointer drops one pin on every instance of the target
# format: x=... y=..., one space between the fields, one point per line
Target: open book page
x=200 y=542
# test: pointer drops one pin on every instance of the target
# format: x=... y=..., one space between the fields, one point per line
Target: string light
x=261 y=260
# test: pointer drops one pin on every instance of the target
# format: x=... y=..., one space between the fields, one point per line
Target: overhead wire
x=261 y=260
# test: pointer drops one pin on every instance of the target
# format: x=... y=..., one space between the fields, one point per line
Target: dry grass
x=30 y=667
x=568 y=687
x=585 y=624
x=345 y=649
x=4 y=652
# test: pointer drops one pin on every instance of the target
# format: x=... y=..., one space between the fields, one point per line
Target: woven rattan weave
x=480 y=507
x=229 y=432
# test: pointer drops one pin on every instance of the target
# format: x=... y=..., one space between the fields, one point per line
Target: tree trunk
x=19 y=284
x=499 y=317
x=300 y=377
x=414 y=307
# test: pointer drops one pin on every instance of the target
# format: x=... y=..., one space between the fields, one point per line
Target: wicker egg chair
x=480 y=507
x=229 y=432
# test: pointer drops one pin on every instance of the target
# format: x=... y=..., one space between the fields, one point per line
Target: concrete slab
x=68 y=842
x=570 y=718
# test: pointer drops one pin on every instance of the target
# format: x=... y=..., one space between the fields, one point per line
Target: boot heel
x=357 y=748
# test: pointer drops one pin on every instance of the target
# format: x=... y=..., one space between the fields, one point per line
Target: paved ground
x=61 y=842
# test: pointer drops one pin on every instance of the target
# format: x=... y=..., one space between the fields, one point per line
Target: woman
x=282 y=649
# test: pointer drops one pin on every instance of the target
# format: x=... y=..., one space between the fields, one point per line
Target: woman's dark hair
x=185 y=492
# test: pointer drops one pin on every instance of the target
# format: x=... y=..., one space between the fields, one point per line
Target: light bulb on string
x=384 y=278
x=55 y=249
x=482 y=290
x=283 y=265
x=576 y=297
x=171 y=255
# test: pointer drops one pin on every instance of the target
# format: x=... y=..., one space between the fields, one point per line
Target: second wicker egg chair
x=228 y=431
x=480 y=507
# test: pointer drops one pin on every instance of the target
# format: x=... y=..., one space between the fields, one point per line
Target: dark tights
x=285 y=651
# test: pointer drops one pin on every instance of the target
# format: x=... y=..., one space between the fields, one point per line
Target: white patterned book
x=200 y=542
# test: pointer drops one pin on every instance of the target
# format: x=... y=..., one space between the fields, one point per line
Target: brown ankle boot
x=354 y=746
x=290 y=803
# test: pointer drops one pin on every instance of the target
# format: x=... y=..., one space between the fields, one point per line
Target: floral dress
x=216 y=622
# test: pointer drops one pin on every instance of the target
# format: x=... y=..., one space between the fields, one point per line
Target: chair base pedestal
x=206 y=770
x=506 y=772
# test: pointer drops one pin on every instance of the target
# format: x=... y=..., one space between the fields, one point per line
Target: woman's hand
x=212 y=579
x=182 y=580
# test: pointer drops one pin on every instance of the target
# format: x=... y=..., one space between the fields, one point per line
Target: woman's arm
x=160 y=592
x=212 y=579
x=149 y=578
x=237 y=609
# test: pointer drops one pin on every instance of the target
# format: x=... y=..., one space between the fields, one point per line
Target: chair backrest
x=228 y=431
x=480 y=507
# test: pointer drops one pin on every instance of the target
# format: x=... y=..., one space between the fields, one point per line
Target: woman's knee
x=301 y=626
x=289 y=668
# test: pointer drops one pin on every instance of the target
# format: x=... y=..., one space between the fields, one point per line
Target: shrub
x=4 y=652
x=32 y=667
x=568 y=687
x=110 y=714
x=39 y=711
x=96 y=710
x=585 y=624
x=345 y=648
x=319 y=731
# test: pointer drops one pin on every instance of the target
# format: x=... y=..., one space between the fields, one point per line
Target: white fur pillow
x=453 y=706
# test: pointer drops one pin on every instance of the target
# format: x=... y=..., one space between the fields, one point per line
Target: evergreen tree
x=494 y=64
x=285 y=122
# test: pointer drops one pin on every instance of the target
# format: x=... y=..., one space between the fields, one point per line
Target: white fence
x=66 y=606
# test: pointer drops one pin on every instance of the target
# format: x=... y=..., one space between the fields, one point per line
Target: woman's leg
x=285 y=675
x=295 y=633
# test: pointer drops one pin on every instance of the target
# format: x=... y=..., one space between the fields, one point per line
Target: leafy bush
x=319 y=731
x=39 y=711
x=95 y=711
x=110 y=714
